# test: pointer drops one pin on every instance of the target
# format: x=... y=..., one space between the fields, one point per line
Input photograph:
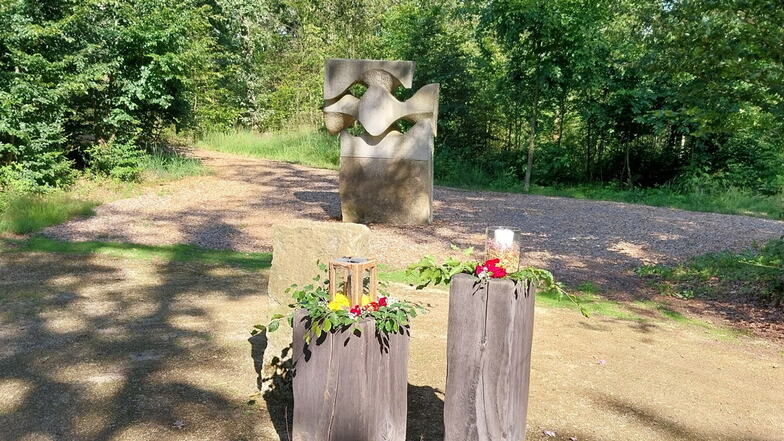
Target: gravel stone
x=579 y=240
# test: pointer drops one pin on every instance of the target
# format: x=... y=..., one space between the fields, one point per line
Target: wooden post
x=488 y=359
x=349 y=387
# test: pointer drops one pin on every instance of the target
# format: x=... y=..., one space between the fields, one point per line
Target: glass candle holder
x=503 y=243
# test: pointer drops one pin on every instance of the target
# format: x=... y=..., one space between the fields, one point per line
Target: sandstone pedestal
x=389 y=182
x=296 y=247
x=488 y=359
x=349 y=387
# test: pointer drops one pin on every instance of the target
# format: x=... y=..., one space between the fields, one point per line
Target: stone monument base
x=386 y=190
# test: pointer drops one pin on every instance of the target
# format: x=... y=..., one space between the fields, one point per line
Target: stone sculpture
x=385 y=176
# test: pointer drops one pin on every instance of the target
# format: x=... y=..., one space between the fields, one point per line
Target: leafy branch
x=392 y=317
x=428 y=272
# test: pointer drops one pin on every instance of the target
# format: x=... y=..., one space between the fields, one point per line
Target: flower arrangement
x=390 y=315
x=428 y=272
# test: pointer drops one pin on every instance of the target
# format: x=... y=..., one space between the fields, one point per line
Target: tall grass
x=304 y=146
x=22 y=213
x=168 y=166
x=696 y=196
x=25 y=213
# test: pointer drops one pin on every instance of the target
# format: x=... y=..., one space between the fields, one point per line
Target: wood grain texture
x=348 y=387
x=488 y=359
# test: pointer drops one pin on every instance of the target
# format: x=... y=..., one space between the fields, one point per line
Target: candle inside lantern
x=503 y=243
x=504 y=238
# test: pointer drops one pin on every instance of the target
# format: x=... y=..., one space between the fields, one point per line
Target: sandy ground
x=100 y=348
x=578 y=240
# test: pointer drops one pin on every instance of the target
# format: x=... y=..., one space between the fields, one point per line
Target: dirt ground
x=103 y=348
x=578 y=240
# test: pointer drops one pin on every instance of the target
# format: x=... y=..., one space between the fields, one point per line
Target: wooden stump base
x=348 y=387
x=488 y=359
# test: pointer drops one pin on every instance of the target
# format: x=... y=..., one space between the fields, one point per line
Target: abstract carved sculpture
x=385 y=176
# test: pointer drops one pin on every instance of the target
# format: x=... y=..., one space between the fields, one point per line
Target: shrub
x=119 y=160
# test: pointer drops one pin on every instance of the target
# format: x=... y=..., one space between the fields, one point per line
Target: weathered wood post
x=488 y=359
x=350 y=387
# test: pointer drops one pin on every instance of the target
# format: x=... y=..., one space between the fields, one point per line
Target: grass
x=176 y=253
x=756 y=273
x=23 y=213
x=317 y=149
x=305 y=146
x=706 y=198
x=168 y=167
x=727 y=201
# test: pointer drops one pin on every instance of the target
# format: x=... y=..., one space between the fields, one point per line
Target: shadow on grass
x=102 y=349
x=175 y=253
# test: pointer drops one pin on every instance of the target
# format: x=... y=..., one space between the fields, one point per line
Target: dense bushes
x=92 y=84
x=635 y=93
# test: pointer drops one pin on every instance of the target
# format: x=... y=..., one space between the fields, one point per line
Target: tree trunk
x=562 y=115
x=627 y=166
x=488 y=359
x=531 y=144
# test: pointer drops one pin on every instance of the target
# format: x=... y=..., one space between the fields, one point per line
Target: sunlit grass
x=22 y=213
x=756 y=273
x=305 y=146
x=176 y=253
x=25 y=213
x=166 y=167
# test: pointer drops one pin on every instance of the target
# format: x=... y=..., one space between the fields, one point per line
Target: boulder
x=296 y=247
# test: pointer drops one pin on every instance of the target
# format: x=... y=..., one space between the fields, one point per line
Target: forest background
x=677 y=97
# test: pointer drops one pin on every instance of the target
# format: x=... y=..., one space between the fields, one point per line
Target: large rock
x=386 y=190
x=299 y=244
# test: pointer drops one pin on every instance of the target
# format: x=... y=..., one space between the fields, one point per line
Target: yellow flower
x=365 y=300
x=339 y=302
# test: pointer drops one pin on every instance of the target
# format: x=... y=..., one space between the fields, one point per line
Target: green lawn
x=318 y=149
x=756 y=273
x=22 y=213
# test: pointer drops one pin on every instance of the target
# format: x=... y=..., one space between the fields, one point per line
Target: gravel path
x=579 y=240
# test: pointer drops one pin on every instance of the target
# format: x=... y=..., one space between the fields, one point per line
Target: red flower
x=356 y=310
x=489 y=267
x=373 y=306
x=382 y=301
x=497 y=272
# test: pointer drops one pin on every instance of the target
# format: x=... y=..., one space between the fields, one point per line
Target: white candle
x=504 y=238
